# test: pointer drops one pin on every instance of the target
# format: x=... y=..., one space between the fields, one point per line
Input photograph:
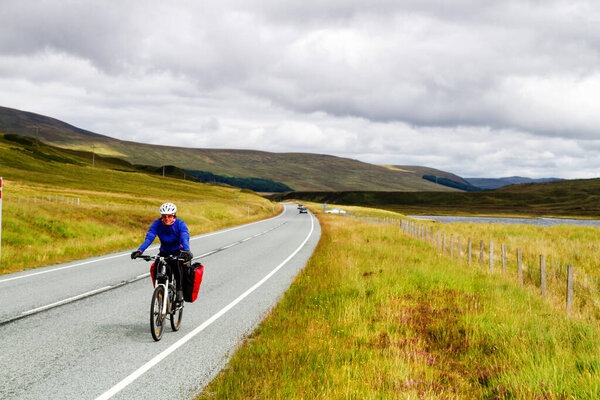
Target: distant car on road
x=300 y=206
x=335 y=211
x=303 y=210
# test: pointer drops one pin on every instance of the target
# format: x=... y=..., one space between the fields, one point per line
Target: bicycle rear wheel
x=157 y=318
x=175 y=316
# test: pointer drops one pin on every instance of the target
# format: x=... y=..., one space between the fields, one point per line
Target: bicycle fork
x=165 y=297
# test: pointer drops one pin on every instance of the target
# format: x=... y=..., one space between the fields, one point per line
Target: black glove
x=186 y=254
x=136 y=254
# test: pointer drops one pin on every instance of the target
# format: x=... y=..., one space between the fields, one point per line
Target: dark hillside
x=420 y=171
x=30 y=124
x=558 y=198
x=495 y=183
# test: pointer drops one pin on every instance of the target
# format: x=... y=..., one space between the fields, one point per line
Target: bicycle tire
x=176 y=319
x=157 y=318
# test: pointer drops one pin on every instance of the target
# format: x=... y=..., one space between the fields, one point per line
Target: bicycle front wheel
x=176 y=319
x=157 y=318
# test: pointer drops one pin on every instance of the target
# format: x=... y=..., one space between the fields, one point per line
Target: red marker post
x=0 y=218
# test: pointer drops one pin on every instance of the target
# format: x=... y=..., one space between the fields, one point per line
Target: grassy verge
x=560 y=245
x=378 y=315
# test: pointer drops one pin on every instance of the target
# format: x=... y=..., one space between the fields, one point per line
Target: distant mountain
x=301 y=171
x=495 y=183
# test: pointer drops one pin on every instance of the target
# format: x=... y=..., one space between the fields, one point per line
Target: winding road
x=81 y=330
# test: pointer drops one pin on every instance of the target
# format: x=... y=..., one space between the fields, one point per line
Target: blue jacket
x=172 y=237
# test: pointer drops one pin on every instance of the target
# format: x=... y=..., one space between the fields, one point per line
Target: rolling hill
x=300 y=171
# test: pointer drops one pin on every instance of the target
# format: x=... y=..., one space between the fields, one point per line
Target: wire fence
x=71 y=200
x=554 y=280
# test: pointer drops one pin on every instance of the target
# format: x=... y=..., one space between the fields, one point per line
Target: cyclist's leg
x=177 y=269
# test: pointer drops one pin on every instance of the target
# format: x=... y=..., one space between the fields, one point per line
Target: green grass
x=379 y=315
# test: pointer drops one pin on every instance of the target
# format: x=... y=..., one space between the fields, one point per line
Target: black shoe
x=179 y=298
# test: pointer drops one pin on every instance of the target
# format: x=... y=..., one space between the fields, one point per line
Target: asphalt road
x=81 y=330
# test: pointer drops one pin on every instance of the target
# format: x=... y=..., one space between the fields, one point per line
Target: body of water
x=528 y=221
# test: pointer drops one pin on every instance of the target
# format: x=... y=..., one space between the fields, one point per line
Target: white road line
x=127 y=253
x=64 y=301
x=140 y=371
x=238 y=227
x=236 y=243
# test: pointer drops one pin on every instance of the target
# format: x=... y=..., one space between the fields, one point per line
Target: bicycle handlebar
x=156 y=257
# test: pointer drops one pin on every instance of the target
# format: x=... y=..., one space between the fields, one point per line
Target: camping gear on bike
x=192 y=278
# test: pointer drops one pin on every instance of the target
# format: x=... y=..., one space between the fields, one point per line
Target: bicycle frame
x=162 y=279
x=163 y=274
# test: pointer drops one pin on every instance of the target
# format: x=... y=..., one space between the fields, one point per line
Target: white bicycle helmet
x=168 y=209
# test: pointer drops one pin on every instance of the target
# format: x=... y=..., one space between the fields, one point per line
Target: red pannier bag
x=192 y=278
x=152 y=272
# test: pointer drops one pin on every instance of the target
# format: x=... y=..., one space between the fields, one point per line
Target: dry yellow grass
x=377 y=314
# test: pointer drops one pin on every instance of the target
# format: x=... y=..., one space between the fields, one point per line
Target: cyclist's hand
x=136 y=254
x=186 y=254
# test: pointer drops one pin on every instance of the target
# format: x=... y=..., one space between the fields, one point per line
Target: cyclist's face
x=168 y=219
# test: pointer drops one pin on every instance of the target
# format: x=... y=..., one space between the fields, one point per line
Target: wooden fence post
x=492 y=256
x=438 y=240
x=503 y=258
x=458 y=249
x=481 y=253
x=520 y=266
x=452 y=246
x=543 y=275
x=444 y=243
x=470 y=250
x=569 y=288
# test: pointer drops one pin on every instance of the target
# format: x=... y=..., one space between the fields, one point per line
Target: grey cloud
x=357 y=76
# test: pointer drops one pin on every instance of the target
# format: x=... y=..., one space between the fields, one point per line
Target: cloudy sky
x=477 y=87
